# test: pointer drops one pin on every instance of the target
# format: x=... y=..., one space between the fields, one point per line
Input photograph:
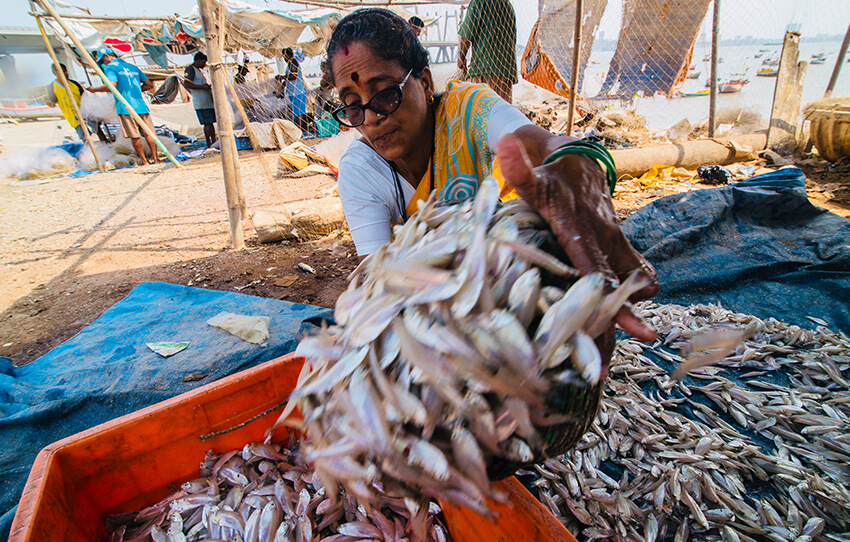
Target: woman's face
x=359 y=74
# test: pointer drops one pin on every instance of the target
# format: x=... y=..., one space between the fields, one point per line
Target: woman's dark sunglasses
x=382 y=103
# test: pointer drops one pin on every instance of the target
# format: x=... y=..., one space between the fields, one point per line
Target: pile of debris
x=614 y=127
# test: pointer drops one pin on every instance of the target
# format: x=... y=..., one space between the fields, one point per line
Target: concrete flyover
x=18 y=40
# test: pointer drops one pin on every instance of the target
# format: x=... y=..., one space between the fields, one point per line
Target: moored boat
x=690 y=94
x=729 y=86
x=27 y=109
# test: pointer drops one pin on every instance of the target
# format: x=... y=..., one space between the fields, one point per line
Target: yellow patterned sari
x=462 y=158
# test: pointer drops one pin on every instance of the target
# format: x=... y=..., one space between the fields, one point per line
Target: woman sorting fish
x=415 y=140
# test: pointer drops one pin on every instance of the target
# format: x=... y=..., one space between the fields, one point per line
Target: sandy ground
x=72 y=247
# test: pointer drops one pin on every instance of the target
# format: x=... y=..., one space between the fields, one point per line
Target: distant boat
x=767 y=72
x=817 y=61
x=763 y=50
x=821 y=56
x=740 y=77
x=770 y=62
x=690 y=94
x=694 y=75
x=27 y=109
x=729 y=86
x=759 y=55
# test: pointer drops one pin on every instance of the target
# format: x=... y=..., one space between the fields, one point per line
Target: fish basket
x=830 y=127
x=133 y=461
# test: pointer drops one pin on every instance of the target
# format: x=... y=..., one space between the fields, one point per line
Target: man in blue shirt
x=130 y=82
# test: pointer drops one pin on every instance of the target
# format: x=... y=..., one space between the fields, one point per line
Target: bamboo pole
x=229 y=157
x=712 y=98
x=85 y=54
x=838 y=61
x=65 y=83
x=574 y=71
x=222 y=34
x=80 y=17
x=251 y=135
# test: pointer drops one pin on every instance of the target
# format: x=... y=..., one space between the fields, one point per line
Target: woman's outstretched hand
x=571 y=194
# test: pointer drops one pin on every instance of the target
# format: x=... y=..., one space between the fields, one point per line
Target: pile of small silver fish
x=768 y=460
x=445 y=344
x=265 y=493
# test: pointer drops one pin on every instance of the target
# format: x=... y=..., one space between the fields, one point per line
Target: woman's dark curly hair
x=385 y=33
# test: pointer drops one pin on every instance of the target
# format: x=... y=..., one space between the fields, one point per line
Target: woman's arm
x=572 y=195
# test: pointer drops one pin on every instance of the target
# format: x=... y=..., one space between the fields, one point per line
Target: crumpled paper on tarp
x=167 y=349
x=253 y=329
x=660 y=174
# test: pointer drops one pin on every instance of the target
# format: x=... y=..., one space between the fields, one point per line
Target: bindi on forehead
x=356 y=78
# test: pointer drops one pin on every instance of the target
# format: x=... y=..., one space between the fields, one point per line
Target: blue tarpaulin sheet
x=758 y=246
x=107 y=371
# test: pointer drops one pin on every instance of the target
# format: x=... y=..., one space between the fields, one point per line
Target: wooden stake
x=576 y=63
x=85 y=54
x=65 y=83
x=715 y=43
x=229 y=157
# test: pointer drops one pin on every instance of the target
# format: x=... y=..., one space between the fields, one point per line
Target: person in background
x=241 y=72
x=417 y=24
x=202 y=98
x=295 y=89
x=130 y=83
x=56 y=94
x=326 y=93
x=489 y=27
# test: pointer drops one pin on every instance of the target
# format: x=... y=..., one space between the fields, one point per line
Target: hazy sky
x=761 y=18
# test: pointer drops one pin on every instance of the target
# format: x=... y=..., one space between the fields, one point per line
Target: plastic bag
x=108 y=157
x=98 y=107
x=123 y=145
x=37 y=163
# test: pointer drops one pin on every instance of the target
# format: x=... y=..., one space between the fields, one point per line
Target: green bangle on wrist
x=588 y=148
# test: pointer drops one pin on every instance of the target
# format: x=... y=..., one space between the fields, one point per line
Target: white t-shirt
x=367 y=186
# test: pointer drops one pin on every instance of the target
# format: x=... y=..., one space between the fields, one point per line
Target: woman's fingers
x=517 y=167
x=635 y=325
x=571 y=195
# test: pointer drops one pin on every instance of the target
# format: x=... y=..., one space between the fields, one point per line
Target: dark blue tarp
x=758 y=246
x=106 y=370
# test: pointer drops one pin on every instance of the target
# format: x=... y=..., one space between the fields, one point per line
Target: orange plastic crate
x=130 y=462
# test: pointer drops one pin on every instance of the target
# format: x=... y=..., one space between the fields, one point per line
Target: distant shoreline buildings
x=603 y=44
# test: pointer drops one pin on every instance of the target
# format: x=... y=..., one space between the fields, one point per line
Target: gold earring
x=431 y=99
